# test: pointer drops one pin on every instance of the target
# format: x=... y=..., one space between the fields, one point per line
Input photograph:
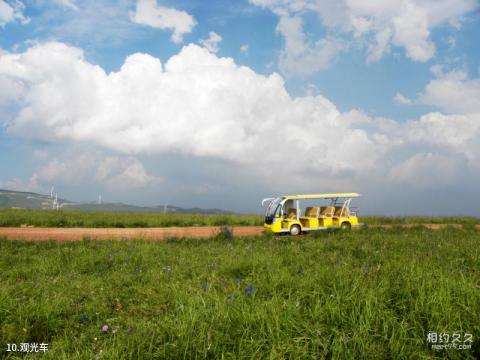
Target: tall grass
x=399 y=220
x=368 y=294
x=69 y=218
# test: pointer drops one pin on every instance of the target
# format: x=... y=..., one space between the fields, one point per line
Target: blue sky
x=218 y=104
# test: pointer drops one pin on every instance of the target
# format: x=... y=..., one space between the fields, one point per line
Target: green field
x=69 y=218
x=51 y=218
x=368 y=294
x=399 y=220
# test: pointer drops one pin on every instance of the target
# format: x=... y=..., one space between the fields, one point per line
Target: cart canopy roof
x=322 y=196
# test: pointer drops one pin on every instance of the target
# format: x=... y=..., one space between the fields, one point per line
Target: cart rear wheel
x=295 y=230
x=346 y=225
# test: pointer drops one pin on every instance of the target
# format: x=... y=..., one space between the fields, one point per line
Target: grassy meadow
x=92 y=219
x=367 y=294
x=400 y=220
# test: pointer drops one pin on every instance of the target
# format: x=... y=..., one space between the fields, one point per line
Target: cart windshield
x=274 y=208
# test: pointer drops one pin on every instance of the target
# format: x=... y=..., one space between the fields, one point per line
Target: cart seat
x=311 y=212
x=326 y=212
x=340 y=213
x=292 y=213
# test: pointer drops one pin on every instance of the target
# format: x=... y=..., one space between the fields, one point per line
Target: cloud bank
x=201 y=105
x=77 y=166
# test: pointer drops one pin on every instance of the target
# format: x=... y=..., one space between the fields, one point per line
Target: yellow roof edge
x=322 y=196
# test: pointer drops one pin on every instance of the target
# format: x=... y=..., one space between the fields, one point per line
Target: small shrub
x=225 y=233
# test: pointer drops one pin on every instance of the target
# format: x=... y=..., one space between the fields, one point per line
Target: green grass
x=69 y=218
x=368 y=294
x=398 y=220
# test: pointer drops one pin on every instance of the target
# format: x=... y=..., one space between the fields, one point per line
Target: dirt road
x=153 y=234
x=75 y=234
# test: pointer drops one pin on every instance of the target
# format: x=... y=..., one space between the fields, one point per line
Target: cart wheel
x=295 y=230
x=346 y=225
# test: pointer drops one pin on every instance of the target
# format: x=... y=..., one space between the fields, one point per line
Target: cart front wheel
x=295 y=230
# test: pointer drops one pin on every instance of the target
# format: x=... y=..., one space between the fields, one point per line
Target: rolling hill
x=28 y=200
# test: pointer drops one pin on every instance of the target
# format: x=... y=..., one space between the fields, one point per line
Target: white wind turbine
x=52 y=198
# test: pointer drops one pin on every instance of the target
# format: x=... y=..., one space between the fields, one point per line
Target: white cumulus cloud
x=211 y=44
x=77 y=166
x=377 y=24
x=149 y=13
x=201 y=105
x=452 y=92
x=68 y=4
x=124 y=173
x=430 y=170
x=299 y=57
x=11 y=11
x=402 y=99
x=196 y=104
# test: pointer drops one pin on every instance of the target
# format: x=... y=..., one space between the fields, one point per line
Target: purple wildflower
x=104 y=328
x=250 y=289
x=83 y=318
